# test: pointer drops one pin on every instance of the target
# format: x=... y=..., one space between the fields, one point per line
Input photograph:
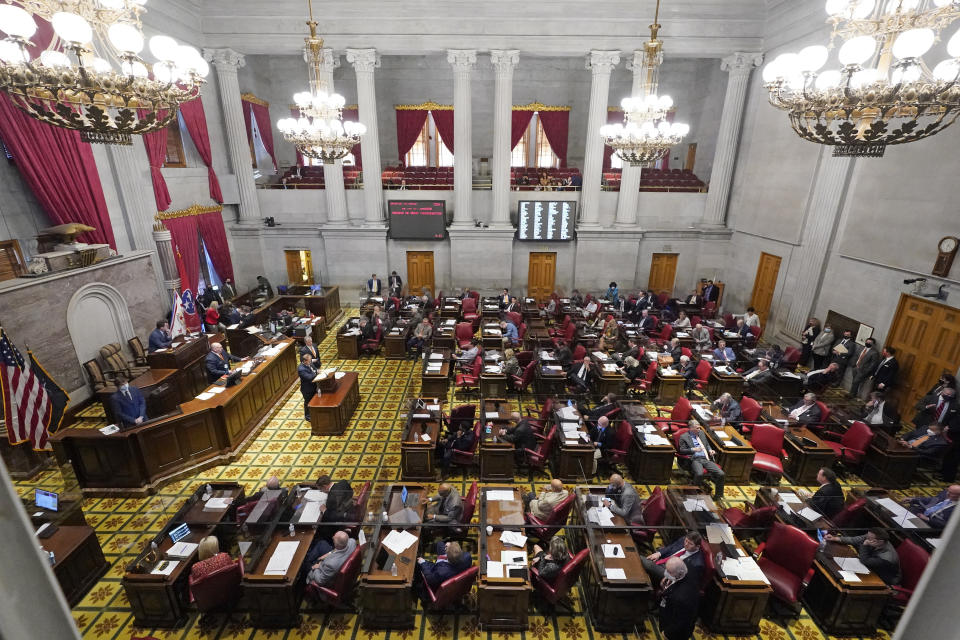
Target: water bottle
x=569 y=403
x=291 y=530
x=53 y=558
x=369 y=516
x=384 y=517
x=393 y=569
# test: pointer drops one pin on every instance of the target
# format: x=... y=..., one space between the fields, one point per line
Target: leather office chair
x=791 y=358
x=702 y=379
x=467 y=458
x=710 y=310
x=852 y=516
x=750 y=411
x=218 y=587
x=640 y=386
x=579 y=353
x=709 y=565
x=98 y=379
x=618 y=454
x=469 y=506
x=748 y=523
x=566 y=337
x=786 y=559
x=463 y=334
x=546 y=411
x=853 y=443
x=470 y=380
x=361 y=499
x=559 y=331
x=767 y=441
x=554 y=593
x=654 y=512
x=666 y=332
x=538 y=459
x=548 y=527
x=525 y=357
x=522 y=382
x=373 y=345
x=451 y=592
x=468 y=311
x=338 y=593
x=679 y=416
x=913 y=561
x=464 y=413
x=515 y=318
x=139 y=353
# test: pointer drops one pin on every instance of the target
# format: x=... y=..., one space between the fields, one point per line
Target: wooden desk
x=330 y=411
x=536 y=337
x=348 y=340
x=493 y=382
x=573 y=461
x=502 y=603
x=187 y=356
x=885 y=518
x=888 y=463
x=386 y=600
x=490 y=336
x=784 y=385
x=678 y=516
x=607 y=381
x=549 y=378
x=489 y=308
x=449 y=308
x=839 y=606
x=669 y=387
x=160 y=393
x=444 y=337
x=806 y=455
x=736 y=460
x=496 y=455
x=769 y=497
x=734 y=606
x=722 y=382
x=325 y=304
x=274 y=600
x=418 y=456
x=649 y=463
x=436 y=382
x=615 y=605
x=395 y=341
x=135 y=461
x=79 y=560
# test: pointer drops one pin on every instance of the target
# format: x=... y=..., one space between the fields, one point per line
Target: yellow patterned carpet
x=370 y=450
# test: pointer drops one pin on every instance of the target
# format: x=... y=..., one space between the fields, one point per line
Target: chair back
x=703 y=369
x=345 y=579
x=136 y=347
x=681 y=411
x=93 y=370
x=218 y=587
x=579 y=353
x=362 y=497
x=463 y=332
x=477 y=367
x=462 y=413
x=767 y=439
x=624 y=434
x=728 y=321
x=527 y=376
x=666 y=331
x=790 y=548
x=545 y=448
x=569 y=331
x=858 y=436
x=710 y=309
x=662 y=299
x=913 y=560
x=791 y=357
x=851 y=515
x=760 y=518
x=546 y=410
x=564 y=580
x=524 y=358
x=469 y=305
x=515 y=318
x=469 y=504
x=825 y=411
x=453 y=590
x=475 y=295
x=651 y=372
x=750 y=409
x=655 y=508
x=522 y=330
x=709 y=566
x=686 y=352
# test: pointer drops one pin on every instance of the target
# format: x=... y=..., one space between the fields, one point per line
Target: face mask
x=930 y=432
x=124 y=387
x=669 y=576
x=828 y=330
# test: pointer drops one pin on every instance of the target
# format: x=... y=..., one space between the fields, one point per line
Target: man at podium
x=129 y=407
x=218 y=362
x=160 y=337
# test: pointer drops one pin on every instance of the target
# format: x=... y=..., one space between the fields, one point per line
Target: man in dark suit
x=581 y=375
x=936 y=510
x=941 y=408
x=446 y=506
x=504 y=299
x=461 y=440
x=728 y=408
x=622 y=500
x=608 y=404
x=520 y=435
x=723 y=353
x=710 y=292
x=129 y=407
x=927 y=441
x=688 y=369
x=451 y=561
x=374 y=285
x=309 y=348
x=686 y=549
x=395 y=283
x=159 y=337
x=828 y=499
x=885 y=375
x=679 y=601
x=512 y=306
x=842 y=351
x=308 y=388
x=866 y=363
x=759 y=375
x=806 y=411
x=823 y=378
x=604 y=436
x=218 y=362
x=878 y=412
x=694 y=298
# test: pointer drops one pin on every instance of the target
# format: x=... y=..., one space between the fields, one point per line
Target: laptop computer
x=179 y=533
x=46 y=500
x=384 y=560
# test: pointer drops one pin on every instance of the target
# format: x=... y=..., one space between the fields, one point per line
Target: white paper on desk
x=204 y=396
x=892 y=506
x=612 y=551
x=244 y=546
x=787 y=496
x=492 y=415
x=569 y=413
x=585 y=436
x=282 y=557
x=788 y=374
x=514 y=538
x=492 y=368
x=749 y=570
x=695 y=504
x=109 y=430
x=849 y=576
x=171 y=565
x=787 y=508
x=425 y=437
x=310 y=513
x=723 y=435
x=164 y=350
x=809 y=514
x=182 y=550
x=499 y=494
x=667 y=371
x=719 y=532
x=421 y=416
x=615 y=573
x=600 y=355
x=494 y=569
x=570 y=427
x=217 y=504
x=610 y=367
x=934 y=542
x=600 y=515
x=216 y=390
x=513 y=557
x=852 y=564
x=648 y=428
x=682 y=334
x=315 y=495
x=730 y=567
x=398 y=541
x=433 y=407
x=655 y=440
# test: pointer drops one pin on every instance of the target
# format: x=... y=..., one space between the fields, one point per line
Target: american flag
x=27 y=405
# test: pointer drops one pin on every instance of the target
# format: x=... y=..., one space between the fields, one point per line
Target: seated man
x=940 y=408
x=160 y=337
x=445 y=507
x=521 y=435
x=581 y=375
x=465 y=358
x=632 y=369
x=823 y=378
x=723 y=353
x=272 y=484
x=701 y=338
x=936 y=510
x=646 y=321
x=460 y=440
x=878 y=412
x=339 y=493
x=607 y=404
x=702 y=464
x=331 y=558
x=929 y=442
x=129 y=407
x=218 y=362
x=759 y=375
x=728 y=408
x=828 y=499
x=622 y=500
x=688 y=369
x=420 y=337
x=806 y=411
x=632 y=351
x=675 y=350
x=686 y=549
x=509 y=333
x=451 y=561
x=875 y=552
x=543 y=505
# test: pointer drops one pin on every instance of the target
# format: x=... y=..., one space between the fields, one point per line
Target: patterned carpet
x=370 y=450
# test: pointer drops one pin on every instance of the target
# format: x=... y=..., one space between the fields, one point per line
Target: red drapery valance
x=443 y=119
x=60 y=170
x=156 y=145
x=262 y=115
x=214 y=236
x=555 y=126
x=409 y=124
x=196 y=121
x=186 y=242
x=519 y=122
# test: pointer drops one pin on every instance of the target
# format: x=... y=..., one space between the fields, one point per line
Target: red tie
x=941 y=409
x=676 y=555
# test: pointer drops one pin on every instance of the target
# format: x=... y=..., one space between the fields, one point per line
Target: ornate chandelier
x=92 y=78
x=320 y=132
x=647 y=135
x=883 y=93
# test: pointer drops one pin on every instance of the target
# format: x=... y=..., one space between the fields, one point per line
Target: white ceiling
x=691 y=28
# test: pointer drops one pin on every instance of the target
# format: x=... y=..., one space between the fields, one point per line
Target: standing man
x=701 y=454
x=308 y=388
x=843 y=350
x=885 y=375
x=374 y=286
x=160 y=337
x=218 y=362
x=865 y=364
x=395 y=283
x=227 y=290
x=679 y=601
x=129 y=407
x=312 y=350
x=504 y=298
x=710 y=292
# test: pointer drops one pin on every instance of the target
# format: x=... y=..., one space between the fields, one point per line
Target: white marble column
x=630 y=177
x=333 y=172
x=504 y=62
x=364 y=62
x=463 y=61
x=168 y=264
x=823 y=209
x=738 y=65
x=600 y=63
x=226 y=62
x=126 y=161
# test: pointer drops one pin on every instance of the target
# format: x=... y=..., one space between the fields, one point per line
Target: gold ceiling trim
x=192 y=210
x=424 y=106
x=249 y=97
x=539 y=106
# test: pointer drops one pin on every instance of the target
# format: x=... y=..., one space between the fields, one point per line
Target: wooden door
x=663 y=271
x=541 y=275
x=691 y=156
x=764 y=285
x=926 y=336
x=299 y=266
x=420 y=272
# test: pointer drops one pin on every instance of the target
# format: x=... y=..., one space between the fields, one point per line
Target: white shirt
x=876 y=414
x=799 y=410
x=751 y=321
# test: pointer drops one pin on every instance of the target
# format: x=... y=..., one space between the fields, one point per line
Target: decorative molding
x=504 y=60
x=328 y=62
x=424 y=106
x=602 y=62
x=224 y=59
x=363 y=60
x=249 y=97
x=119 y=316
x=539 y=106
x=740 y=62
x=192 y=210
x=462 y=59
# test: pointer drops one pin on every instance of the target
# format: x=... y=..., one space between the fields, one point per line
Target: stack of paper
x=109 y=430
x=723 y=435
x=310 y=513
x=499 y=494
x=494 y=569
x=655 y=440
x=399 y=541
x=168 y=567
x=282 y=556
x=436 y=356
x=610 y=367
x=491 y=368
x=719 y=533
x=492 y=415
x=514 y=557
x=852 y=564
x=216 y=390
x=601 y=516
x=182 y=550
x=749 y=570
x=433 y=407
x=792 y=498
x=514 y=538
x=217 y=504
x=695 y=504
x=569 y=413
x=614 y=573
x=600 y=355
x=809 y=514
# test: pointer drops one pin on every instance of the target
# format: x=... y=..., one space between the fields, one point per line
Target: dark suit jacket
x=828 y=499
x=627 y=503
x=867 y=366
x=375 y=287
x=763 y=377
x=927 y=416
x=313 y=352
x=711 y=293
x=932 y=448
x=599 y=411
x=607 y=439
x=731 y=412
x=695 y=563
x=436 y=573
x=850 y=345
x=217 y=366
x=679 y=604
x=159 y=339
x=812 y=414
x=395 y=282
x=921 y=504
x=461 y=442
x=307 y=386
x=128 y=410
x=823 y=379
x=522 y=436
x=886 y=373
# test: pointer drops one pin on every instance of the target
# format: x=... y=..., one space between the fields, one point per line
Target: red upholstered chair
x=522 y=382
x=662 y=299
x=470 y=379
x=217 y=588
x=654 y=511
x=362 y=498
x=853 y=444
x=704 y=367
x=566 y=337
x=540 y=423
x=451 y=592
x=559 y=331
x=786 y=559
x=825 y=411
x=579 y=353
x=710 y=310
x=464 y=413
x=469 y=506
x=618 y=454
x=913 y=561
x=539 y=458
x=340 y=589
x=679 y=416
x=373 y=344
x=555 y=592
x=515 y=317
x=465 y=459
x=642 y=385
x=852 y=516
x=709 y=565
x=686 y=352
x=729 y=322
x=547 y=528
x=468 y=310
x=666 y=332
x=755 y=518
x=752 y=337
x=463 y=333
x=791 y=358
x=767 y=440
x=525 y=357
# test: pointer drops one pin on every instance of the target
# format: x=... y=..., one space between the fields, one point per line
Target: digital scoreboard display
x=417 y=219
x=546 y=220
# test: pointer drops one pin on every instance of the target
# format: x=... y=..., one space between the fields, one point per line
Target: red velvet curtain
x=519 y=122
x=60 y=170
x=262 y=116
x=214 y=236
x=186 y=242
x=354 y=115
x=613 y=117
x=409 y=124
x=196 y=121
x=555 y=126
x=443 y=118
x=156 y=145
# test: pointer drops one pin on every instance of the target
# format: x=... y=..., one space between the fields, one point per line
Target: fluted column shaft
x=126 y=162
x=364 y=62
x=630 y=175
x=504 y=62
x=600 y=63
x=463 y=61
x=738 y=65
x=226 y=62
x=333 y=189
x=168 y=264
